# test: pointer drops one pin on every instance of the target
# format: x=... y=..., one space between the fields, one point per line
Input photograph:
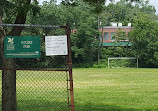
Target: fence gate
x=45 y=83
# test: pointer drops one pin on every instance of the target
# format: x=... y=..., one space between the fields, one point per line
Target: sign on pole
x=22 y=46
x=56 y=45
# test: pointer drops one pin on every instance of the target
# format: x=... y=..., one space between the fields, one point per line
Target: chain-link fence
x=42 y=84
x=42 y=90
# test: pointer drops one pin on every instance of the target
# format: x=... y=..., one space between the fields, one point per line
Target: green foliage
x=101 y=64
x=83 y=42
x=120 y=35
x=145 y=41
x=125 y=12
x=116 y=52
x=97 y=4
x=79 y=14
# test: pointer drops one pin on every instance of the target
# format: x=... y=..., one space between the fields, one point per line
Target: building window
x=112 y=35
x=106 y=36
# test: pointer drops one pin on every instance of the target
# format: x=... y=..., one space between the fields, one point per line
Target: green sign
x=22 y=46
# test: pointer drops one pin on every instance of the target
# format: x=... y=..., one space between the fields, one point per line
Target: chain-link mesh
x=41 y=91
x=41 y=83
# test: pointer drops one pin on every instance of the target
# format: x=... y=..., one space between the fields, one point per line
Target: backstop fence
x=45 y=83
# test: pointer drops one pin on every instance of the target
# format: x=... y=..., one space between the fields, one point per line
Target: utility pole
x=98 y=38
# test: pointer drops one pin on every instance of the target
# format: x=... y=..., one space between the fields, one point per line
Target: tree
x=20 y=9
x=120 y=35
x=125 y=12
x=97 y=9
x=83 y=40
x=144 y=39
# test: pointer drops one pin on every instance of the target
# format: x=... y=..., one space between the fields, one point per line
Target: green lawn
x=116 y=89
x=94 y=90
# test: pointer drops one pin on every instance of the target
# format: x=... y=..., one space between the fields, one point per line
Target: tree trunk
x=8 y=76
x=9 y=86
x=9 y=102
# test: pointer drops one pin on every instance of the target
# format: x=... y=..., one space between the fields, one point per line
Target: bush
x=101 y=64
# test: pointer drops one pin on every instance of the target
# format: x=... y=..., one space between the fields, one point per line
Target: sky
x=152 y=2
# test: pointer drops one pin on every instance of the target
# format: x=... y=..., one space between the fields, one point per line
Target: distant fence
x=123 y=58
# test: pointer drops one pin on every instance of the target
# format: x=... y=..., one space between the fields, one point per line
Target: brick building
x=109 y=32
x=109 y=35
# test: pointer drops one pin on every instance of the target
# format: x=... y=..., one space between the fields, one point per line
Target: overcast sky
x=152 y=2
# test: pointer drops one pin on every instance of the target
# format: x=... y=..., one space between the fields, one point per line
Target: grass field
x=116 y=89
x=94 y=90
